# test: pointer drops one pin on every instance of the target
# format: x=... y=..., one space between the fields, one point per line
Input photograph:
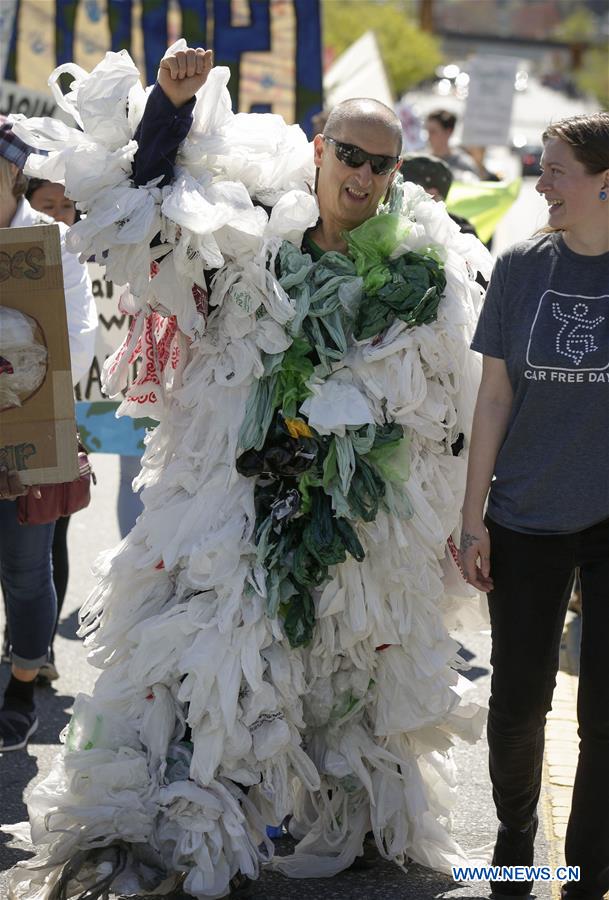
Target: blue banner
x=272 y=47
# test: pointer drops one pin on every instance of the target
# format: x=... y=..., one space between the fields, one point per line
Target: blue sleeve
x=488 y=338
x=159 y=135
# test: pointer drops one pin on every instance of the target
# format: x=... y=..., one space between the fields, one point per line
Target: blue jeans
x=532 y=576
x=27 y=583
x=129 y=503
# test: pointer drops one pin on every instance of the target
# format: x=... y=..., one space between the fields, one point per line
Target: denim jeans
x=532 y=577
x=129 y=504
x=27 y=583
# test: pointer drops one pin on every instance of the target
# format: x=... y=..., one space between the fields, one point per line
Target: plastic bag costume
x=272 y=635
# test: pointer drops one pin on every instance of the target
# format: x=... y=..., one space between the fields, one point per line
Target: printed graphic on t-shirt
x=569 y=335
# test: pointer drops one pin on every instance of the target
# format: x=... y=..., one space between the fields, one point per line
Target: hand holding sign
x=12 y=487
x=182 y=74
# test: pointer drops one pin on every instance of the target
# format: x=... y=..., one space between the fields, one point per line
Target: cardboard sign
x=37 y=424
x=488 y=111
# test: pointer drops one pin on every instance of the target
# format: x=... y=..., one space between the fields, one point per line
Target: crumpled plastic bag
x=23 y=357
x=371 y=244
x=292 y=215
x=334 y=404
x=98 y=100
x=412 y=295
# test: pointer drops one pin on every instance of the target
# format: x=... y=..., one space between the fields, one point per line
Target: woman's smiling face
x=571 y=191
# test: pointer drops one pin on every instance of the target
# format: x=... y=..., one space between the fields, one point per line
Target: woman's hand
x=183 y=73
x=12 y=487
x=475 y=556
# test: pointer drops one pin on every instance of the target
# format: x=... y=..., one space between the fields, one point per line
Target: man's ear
x=318 y=149
x=390 y=182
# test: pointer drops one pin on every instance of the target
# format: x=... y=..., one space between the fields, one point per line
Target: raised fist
x=183 y=73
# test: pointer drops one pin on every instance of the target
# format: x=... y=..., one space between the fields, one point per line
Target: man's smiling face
x=348 y=196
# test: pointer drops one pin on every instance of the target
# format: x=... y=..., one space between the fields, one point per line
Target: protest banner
x=272 y=47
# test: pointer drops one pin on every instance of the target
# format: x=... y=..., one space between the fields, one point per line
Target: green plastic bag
x=371 y=244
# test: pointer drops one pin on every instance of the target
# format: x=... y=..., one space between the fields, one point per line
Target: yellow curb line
x=562 y=747
x=559 y=776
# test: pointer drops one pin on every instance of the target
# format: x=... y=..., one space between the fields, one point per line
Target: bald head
x=367 y=112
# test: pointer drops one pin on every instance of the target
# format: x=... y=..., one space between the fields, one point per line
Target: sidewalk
x=562 y=742
x=474 y=824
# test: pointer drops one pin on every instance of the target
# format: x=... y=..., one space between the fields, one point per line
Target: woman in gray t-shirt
x=540 y=451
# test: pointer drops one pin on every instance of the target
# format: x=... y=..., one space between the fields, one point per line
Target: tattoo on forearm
x=467 y=540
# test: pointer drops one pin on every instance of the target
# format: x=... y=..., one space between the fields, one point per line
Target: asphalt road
x=95 y=529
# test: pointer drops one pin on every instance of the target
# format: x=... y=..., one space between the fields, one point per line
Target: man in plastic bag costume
x=272 y=635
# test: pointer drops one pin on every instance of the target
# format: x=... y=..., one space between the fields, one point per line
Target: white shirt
x=81 y=311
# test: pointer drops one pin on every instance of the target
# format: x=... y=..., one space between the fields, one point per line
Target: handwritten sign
x=37 y=424
x=99 y=428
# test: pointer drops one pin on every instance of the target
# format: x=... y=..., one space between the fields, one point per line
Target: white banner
x=17 y=99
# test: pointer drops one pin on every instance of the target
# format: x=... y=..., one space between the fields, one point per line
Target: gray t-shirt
x=546 y=314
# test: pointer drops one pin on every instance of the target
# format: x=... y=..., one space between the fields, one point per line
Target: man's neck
x=8 y=208
x=329 y=237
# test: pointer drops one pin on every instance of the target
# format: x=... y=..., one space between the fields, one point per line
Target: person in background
x=129 y=504
x=435 y=176
x=540 y=450
x=25 y=551
x=440 y=126
x=478 y=154
x=49 y=197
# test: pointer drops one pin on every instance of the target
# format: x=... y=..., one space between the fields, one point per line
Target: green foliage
x=593 y=76
x=409 y=54
x=579 y=26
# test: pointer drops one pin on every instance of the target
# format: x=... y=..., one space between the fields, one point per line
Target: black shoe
x=368 y=858
x=16 y=728
x=240 y=885
x=514 y=848
x=573 y=891
x=47 y=673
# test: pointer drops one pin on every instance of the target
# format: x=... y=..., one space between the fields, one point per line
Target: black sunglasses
x=355 y=157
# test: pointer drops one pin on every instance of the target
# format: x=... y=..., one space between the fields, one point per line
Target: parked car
x=530 y=156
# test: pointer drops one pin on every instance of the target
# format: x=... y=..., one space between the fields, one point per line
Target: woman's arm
x=491 y=418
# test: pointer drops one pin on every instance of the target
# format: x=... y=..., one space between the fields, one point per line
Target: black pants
x=532 y=576
x=61 y=567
